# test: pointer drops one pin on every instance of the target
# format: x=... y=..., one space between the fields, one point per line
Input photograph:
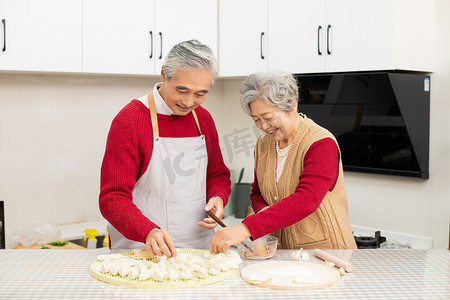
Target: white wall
x=53 y=130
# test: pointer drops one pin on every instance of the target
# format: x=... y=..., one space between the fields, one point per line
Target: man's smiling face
x=186 y=90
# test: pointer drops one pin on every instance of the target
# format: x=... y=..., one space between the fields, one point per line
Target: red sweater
x=321 y=169
x=128 y=152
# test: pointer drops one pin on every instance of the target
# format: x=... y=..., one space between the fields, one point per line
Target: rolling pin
x=337 y=261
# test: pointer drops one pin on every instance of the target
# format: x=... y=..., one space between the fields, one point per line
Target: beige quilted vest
x=326 y=228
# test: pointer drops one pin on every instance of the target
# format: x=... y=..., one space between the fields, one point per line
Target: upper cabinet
x=299 y=36
x=380 y=35
x=296 y=31
x=118 y=36
x=242 y=37
x=134 y=36
x=336 y=35
x=180 y=20
x=40 y=35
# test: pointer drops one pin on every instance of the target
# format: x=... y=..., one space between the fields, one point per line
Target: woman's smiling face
x=279 y=125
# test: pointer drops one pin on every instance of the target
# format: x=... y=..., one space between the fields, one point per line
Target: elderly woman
x=298 y=192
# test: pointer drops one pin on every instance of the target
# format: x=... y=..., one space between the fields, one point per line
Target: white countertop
x=378 y=274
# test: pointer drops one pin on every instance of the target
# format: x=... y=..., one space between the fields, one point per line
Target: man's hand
x=160 y=243
x=215 y=204
x=225 y=237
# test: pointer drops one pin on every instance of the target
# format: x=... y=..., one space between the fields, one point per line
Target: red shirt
x=320 y=173
x=128 y=152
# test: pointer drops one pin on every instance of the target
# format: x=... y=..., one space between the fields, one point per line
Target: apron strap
x=152 y=107
x=196 y=122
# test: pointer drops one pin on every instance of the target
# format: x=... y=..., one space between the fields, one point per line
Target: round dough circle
x=290 y=275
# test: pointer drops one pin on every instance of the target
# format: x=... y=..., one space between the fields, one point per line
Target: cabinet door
x=242 y=37
x=361 y=35
x=118 y=36
x=180 y=20
x=41 y=35
x=297 y=35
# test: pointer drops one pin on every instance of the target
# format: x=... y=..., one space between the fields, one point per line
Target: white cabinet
x=242 y=37
x=306 y=36
x=299 y=36
x=40 y=35
x=118 y=36
x=134 y=36
x=361 y=41
x=380 y=35
x=180 y=20
x=296 y=35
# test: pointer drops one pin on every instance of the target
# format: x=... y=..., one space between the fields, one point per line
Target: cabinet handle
x=151 y=44
x=4 y=35
x=318 y=40
x=160 y=37
x=260 y=45
x=328 y=39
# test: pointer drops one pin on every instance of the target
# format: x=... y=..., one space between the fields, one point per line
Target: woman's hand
x=160 y=243
x=225 y=237
x=215 y=204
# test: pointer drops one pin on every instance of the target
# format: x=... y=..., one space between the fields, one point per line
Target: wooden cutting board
x=35 y=246
x=290 y=275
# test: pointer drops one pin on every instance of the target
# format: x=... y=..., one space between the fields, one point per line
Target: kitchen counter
x=378 y=274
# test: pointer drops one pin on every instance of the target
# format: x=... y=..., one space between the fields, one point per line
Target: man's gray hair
x=190 y=55
x=277 y=88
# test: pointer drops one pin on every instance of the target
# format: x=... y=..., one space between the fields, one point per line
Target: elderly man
x=163 y=166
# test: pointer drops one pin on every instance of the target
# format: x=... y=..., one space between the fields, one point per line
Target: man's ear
x=163 y=77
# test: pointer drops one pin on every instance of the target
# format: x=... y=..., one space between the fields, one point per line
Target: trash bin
x=241 y=197
x=229 y=208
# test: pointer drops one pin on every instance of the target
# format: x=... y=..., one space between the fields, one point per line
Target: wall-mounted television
x=381 y=120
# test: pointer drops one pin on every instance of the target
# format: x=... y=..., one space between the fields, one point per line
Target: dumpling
x=213 y=271
x=224 y=266
x=171 y=260
x=181 y=258
x=124 y=268
x=115 y=256
x=163 y=263
x=208 y=255
x=145 y=274
x=141 y=266
x=185 y=274
x=106 y=266
x=201 y=273
x=159 y=274
x=173 y=274
x=149 y=264
x=234 y=256
x=300 y=255
x=134 y=273
x=114 y=269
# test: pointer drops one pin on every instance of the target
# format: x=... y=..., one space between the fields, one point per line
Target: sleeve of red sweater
x=321 y=169
x=256 y=198
x=119 y=172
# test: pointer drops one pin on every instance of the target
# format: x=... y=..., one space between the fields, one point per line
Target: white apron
x=172 y=191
